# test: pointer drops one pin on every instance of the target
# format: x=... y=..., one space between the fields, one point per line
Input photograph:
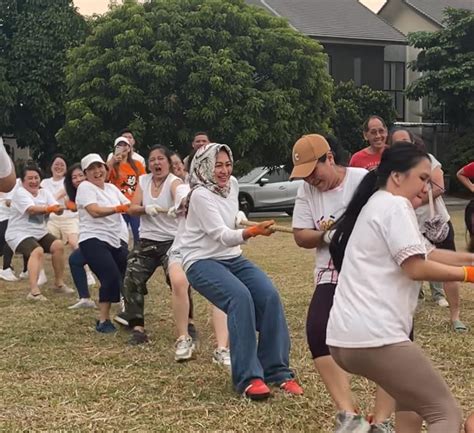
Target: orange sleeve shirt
x=125 y=178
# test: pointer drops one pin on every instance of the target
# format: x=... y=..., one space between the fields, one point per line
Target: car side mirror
x=263 y=181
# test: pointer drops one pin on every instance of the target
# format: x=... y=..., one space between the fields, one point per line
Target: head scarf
x=202 y=169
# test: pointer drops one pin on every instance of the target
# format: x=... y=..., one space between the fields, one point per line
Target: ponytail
x=401 y=157
x=346 y=222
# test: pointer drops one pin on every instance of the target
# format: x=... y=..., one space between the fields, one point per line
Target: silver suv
x=267 y=189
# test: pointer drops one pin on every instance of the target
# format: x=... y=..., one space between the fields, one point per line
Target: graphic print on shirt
x=129 y=185
x=37 y=219
x=326 y=223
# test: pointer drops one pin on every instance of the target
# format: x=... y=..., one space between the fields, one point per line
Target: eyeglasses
x=437 y=186
x=380 y=131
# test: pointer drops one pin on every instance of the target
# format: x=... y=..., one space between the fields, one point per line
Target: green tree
x=447 y=64
x=169 y=68
x=34 y=38
x=352 y=106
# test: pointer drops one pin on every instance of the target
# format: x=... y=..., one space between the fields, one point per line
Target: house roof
x=334 y=19
x=433 y=9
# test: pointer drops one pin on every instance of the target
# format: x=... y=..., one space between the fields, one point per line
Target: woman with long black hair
x=381 y=255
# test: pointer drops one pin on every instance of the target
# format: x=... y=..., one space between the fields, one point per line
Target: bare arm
x=7 y=183
x=136 y=208
x=465 y=180
x=175 y=185
x=309 y=238
x=96 y=211
x=43 y=210
x=7 y=170
x=453 y=258
x=419 y=269
x=36 y=210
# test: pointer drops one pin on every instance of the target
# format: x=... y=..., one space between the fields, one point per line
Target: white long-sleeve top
x=209 y=231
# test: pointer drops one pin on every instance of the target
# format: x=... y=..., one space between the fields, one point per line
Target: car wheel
x=289 y=211
x=245 y=204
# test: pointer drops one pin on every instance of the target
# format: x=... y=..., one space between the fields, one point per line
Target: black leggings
x=317 y=319
x=109 y=264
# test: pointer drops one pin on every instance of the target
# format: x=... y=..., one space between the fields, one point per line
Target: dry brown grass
x=57 y=373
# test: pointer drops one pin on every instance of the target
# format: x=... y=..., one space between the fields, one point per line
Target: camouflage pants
x=143 y=260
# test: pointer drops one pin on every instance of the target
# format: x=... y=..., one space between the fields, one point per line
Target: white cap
x=90 y=159
x=119 y=140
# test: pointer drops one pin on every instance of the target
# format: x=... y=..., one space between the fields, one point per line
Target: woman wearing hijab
x=215 y=267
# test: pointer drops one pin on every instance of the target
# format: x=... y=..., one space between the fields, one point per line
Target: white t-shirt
x=423 y=212
x=5 y=210
x=135 y=156
x=210 y=226
x=160 y=227
x=319 y=210
x=375 y=299
x=56 y=188
x=108 y=229
x=22 y=225
x=181 y=193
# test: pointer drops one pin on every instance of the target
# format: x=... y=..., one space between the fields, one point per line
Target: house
x=411 y=16
x=354 y=38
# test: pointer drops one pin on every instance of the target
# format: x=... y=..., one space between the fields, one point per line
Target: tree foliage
x=352 y=106
x=447 y=66
x=169 y=68
x=34 y=37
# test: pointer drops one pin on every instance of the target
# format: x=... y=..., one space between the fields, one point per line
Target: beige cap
x=306 y=152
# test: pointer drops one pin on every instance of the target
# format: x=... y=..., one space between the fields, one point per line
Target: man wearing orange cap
x=322 y=198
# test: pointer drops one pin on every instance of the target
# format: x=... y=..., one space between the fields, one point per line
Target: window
x=329 y=64
x=277 y=175
x=394 y=85
x=357 y=71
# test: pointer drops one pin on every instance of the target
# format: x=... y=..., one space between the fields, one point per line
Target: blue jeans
x=252 y=303
x=77 y=262
x=134 y=223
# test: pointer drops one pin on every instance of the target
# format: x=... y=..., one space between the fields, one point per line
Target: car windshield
x=252 y=175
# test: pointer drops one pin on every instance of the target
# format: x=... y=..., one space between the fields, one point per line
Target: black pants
x=109 y=264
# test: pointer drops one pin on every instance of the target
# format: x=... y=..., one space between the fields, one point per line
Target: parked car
x=267 y=189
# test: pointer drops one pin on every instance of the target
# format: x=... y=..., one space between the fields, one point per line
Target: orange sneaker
x=257 y=390
x=291 y=386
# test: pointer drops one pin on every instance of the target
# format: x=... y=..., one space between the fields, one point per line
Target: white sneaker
x=221 y=356
x=23 y=275
x=184 y=348
x=8 y=275
x=351 y=423
x=83 y=303
x=90 y=279
x=442 y=302
x=42 y=279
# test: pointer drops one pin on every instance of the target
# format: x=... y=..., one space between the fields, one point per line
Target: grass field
x=57 y=373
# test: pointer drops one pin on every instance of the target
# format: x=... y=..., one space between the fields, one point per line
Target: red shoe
x=291 y=387
x=257 y=390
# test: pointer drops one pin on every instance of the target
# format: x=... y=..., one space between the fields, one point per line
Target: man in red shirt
x=466 y=176
x=375 y=133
